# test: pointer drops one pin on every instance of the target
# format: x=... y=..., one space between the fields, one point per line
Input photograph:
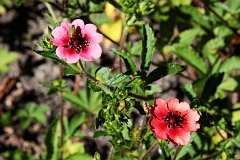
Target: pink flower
x=81 y=44
x=173 y=121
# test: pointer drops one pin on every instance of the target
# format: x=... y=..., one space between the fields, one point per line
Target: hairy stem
x=93 y=79
x=61 y=114
x=177 y=151
x=150 y=150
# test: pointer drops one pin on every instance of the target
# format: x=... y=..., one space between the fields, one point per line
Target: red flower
x=81 y=44
x=173 y=121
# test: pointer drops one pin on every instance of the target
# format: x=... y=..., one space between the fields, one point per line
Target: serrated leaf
x=222 y=31
x=211 y=86
x=116 y=79
x=164 y=70
x=148 y=44
x=99 y=134
x=127 y=58
x=192 y=58
x=211 y=47
x=51 y=140
x=103 y=74
x=51 y=55
x=187 y=36
x=230 y=65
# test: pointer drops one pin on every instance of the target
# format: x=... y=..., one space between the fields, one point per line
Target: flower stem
x=61 y=114
x=177 y=151
x=93 y=79
x=150 y=150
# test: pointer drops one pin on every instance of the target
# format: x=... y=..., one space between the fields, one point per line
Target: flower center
x=173 y=119
x=77 y=41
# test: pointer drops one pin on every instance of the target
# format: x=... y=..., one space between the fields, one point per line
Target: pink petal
x=91 y=34
x=60 y=42
x=178 y=136
x=90 y=52
x=189 y=124
x=67 y=53
x=160 y=108
x=78 y=22
x=159 y=128
x=172 y=104
x=61 y=31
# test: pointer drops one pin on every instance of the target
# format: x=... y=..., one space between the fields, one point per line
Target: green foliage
x=32 y=112
x=6 y=58
x=199 y=39
x=16 y=155
x=5 y=119
x=148 y=43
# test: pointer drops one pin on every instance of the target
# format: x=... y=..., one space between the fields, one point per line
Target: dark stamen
x=174 y=119
x=77 y=41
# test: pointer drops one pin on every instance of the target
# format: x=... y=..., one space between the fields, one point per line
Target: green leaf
x=73 y=98
x=231 y=84
x=164 y=70
x=5 y=119
x=51 y=140
x=41 y=118
x=6 y=58
x=148 y=44
x=66 y=126
x=51 y=55
x=78 y=156
x=103 y=74
x=75 y=122
x=192 y=58
x=230 y=65
x=42 y=108
x=99 y=134
x=25 y=122
x=16 y=155
x=22 y=113
x=127 y=58
x=187 y=36
x=198 y=17
x=211 y=86
x=189 y=90
x=211 y=47
x=222 y=31
x=118 y=79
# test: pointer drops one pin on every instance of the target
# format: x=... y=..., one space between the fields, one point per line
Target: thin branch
x=177 y=151
x=150 y=150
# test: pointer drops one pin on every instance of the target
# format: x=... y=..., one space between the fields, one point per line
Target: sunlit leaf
x=192 y=58
x=148 y=44
x=127 y=58
x=164 y=70
x=6 y=58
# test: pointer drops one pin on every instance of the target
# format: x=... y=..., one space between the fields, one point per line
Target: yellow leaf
x=112 y=30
